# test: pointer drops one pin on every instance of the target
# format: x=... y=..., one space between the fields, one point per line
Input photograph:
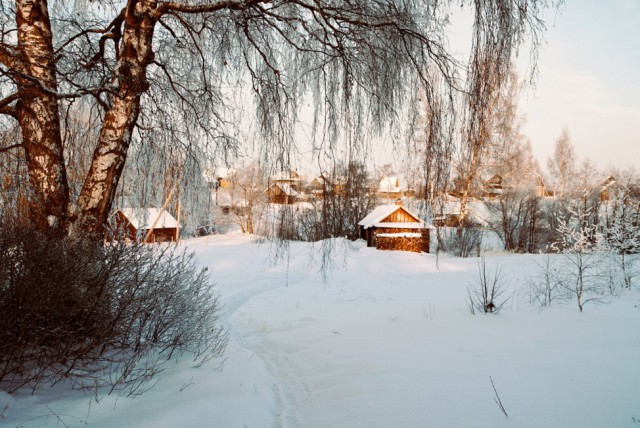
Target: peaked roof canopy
x=143 y=218
x=285 y=188
x=376 y=217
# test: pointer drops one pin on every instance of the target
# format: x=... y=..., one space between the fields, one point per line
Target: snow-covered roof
x=390 y=184
x=286 y=189
x=143 y=218
x=320 y=180
x=375 y=217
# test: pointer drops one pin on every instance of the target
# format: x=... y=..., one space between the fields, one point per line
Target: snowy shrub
x=102 y=317
x=622 y=234
x=544 y=286
x=581 y=275
x=487 y=293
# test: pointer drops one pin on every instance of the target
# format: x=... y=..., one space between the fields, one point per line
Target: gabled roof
x=375 y=218
x=495 y=181
x=321 y=180
x=285 y=187
x=143 y=218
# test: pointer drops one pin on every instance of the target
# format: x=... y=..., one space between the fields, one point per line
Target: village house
x=319 y=187
x=389 y=187
x=393 y=227
x=282 y=193
x=135 y=223
x=291 y=178
x=284 y=188
x=541 y=189
x=610 y=188
x=493 y=187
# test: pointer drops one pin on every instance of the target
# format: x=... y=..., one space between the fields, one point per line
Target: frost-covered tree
x=494 y=143
x=168 y=71
x=247 y=197
x=580 y=196
x=579 y=277
x=621 y=230
x=562 y=165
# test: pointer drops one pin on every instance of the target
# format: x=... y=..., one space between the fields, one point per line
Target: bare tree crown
x=171 y=72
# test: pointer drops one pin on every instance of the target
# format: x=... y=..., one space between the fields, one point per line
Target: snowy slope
x=386 y=341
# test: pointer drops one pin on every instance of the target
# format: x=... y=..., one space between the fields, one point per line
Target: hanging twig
x=497 y=399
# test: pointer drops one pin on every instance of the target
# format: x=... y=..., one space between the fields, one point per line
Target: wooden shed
x=282 y=193
x=135 y=223
x=393 y=227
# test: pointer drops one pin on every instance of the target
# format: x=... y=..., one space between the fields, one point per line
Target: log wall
x=397 y=243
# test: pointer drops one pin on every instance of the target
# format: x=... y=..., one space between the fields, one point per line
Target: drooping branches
x=178 y=72
x=499 y=29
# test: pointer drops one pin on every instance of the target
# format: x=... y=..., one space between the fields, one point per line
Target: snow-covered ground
x=386 y=341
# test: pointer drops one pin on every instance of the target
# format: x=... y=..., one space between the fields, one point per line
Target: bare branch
x=113 y=25
x=165 y=7
x=5 y=107
x=14 y=146
x=8 y=55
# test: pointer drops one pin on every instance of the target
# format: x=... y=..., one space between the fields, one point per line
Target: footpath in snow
x=385 y=339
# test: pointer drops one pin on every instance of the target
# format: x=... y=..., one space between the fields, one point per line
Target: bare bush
x=544 y=287
x=102 y=317
x=487 y=293
x=463 y=241
x=517 y=215
x=348 y=196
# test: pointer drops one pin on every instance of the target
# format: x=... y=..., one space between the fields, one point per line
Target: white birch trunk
x=38 y=116
x=110 y=155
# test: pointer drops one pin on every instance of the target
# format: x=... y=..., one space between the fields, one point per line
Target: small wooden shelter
x=282 y=193
x=393 y=227
x=135 y=223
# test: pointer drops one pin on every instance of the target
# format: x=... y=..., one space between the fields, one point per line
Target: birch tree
x=248 y=198
x=620 y=228
x=175 y=66
x=562 y=165
x=579 y=277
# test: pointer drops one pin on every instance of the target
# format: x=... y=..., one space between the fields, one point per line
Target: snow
x=478 y=210
x=386 y=341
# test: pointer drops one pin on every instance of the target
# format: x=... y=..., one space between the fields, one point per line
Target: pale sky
x=588 y=82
